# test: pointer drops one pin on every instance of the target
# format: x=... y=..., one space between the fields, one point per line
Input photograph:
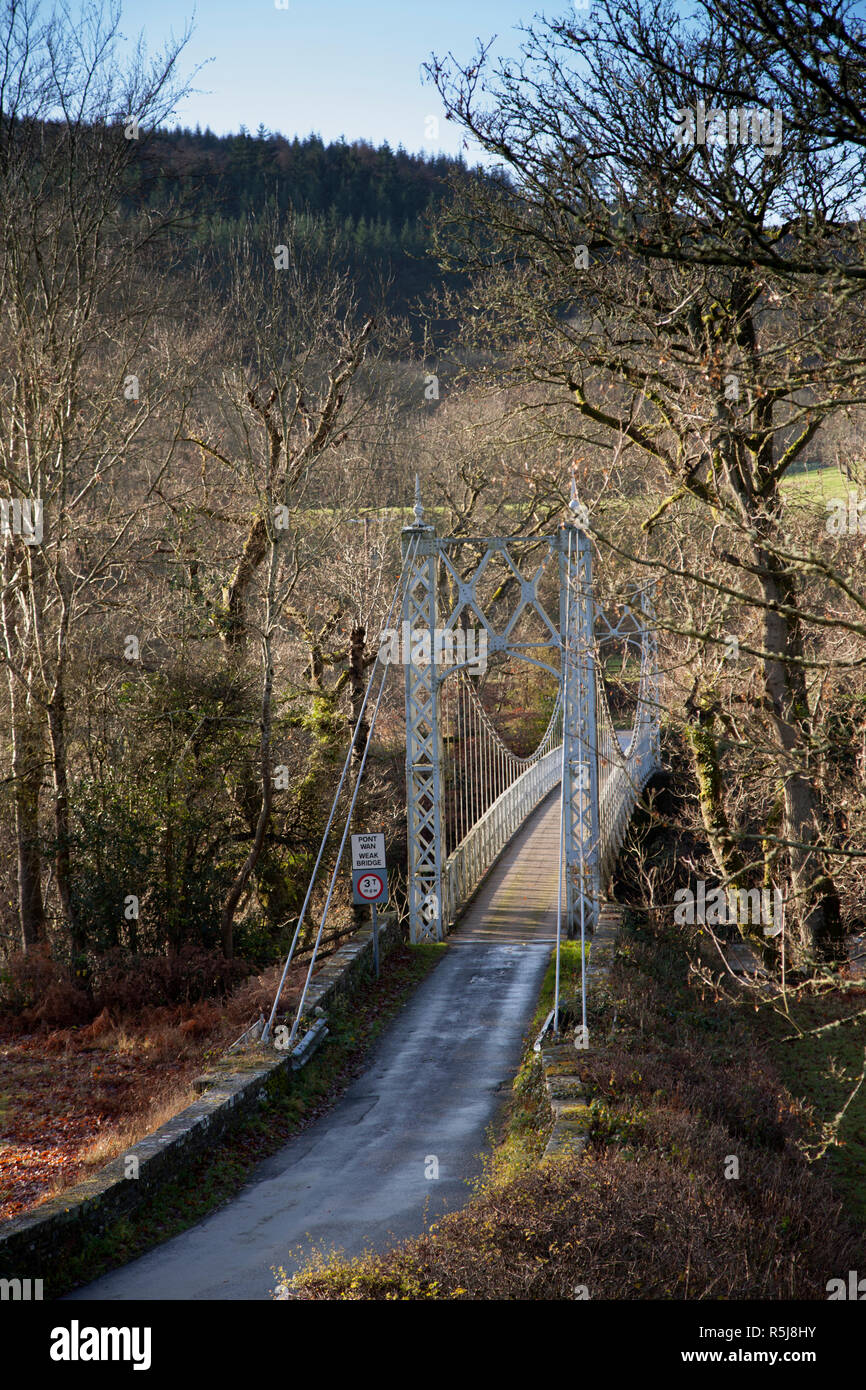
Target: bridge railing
x=620 y=786
x=468 y=863
x=623 y=774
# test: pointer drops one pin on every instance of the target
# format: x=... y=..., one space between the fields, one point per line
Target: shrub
x=26 y=978
x=126 y=983
x=35 y=989
x=62 y=1006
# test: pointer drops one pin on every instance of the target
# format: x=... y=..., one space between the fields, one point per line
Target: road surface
x=362 y=1176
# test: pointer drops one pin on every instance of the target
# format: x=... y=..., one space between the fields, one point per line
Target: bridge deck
x=517 y=900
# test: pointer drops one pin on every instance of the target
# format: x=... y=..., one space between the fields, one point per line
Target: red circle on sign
x=370 y=886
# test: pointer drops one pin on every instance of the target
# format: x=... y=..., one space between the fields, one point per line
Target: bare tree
x=295 y=390
x=688 y=295
x=73 y=122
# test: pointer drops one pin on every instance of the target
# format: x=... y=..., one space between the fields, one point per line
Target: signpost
x=370 y=880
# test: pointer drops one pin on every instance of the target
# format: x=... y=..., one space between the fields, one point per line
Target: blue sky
x=337 y=67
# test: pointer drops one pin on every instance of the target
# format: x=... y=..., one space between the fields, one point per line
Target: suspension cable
x=464 y=808
x=456 y=745
x=336 y=869
x=399 y=590
x=512 y=758
x=482 y=766
x=345 y=835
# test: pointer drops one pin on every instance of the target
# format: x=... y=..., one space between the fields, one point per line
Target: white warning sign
x=368 y=851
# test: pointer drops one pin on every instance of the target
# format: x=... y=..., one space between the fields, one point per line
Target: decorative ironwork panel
x=423 y=750
x=582 y=849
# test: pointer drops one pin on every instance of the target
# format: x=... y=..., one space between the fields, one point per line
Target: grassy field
x=817 y=483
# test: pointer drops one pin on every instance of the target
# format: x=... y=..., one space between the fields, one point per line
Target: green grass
x=817 y=484
x=569 y=982
x=527 y=1122
x=211 y=1179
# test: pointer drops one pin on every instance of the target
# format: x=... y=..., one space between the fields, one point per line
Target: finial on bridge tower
x=581 y=513
x=419 y=510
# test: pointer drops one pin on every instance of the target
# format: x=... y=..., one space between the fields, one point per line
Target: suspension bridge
x=508 y=849
x=466 y=602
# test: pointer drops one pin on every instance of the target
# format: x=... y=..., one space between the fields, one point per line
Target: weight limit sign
x=369 y=886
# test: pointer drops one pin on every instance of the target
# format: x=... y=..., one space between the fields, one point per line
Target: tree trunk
x=27 y=766
x=62 y=854
x=27 y=737
x=705 y=762
x=815 y=901
x=233 y=897
x=235 y=592
x=356 y=691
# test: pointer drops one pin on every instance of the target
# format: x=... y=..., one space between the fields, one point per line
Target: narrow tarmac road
x=360 y=1176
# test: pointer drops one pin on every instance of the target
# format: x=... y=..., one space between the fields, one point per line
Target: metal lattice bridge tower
x=467 y=600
